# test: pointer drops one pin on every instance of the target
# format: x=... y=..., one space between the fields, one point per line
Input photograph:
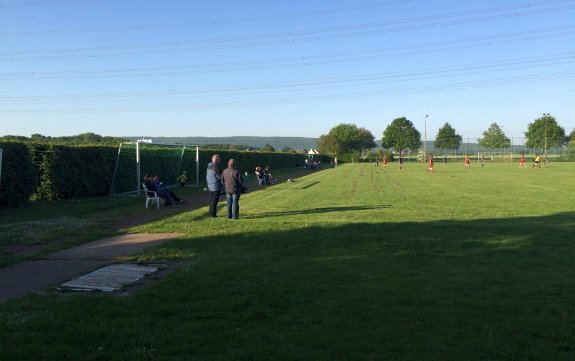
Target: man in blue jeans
x=232 y=180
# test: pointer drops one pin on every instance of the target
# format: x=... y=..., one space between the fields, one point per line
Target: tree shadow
x=314 y=211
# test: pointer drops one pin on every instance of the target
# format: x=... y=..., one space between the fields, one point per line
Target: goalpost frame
x=502 y=155
x=138 y=162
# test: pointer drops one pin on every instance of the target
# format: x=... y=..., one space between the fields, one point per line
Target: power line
x=265 y=39
x=45 y=3
x=313 y=99
x=204 y=23
x=315 y=84
x=416 y=49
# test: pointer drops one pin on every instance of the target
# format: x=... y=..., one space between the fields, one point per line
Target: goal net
x=168 y=161
x=492 y=157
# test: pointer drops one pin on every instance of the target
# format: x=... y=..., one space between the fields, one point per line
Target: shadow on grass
x=315 y=211
x=441 y=290
x=489 y=289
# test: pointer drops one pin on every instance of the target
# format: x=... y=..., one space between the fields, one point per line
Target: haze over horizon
x=293 y=68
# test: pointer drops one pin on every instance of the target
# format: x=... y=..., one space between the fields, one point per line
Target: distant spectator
x=268 y=176
x=260 y=176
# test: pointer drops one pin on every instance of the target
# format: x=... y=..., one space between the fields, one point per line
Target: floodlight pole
x=425 y=137
x=546 y=116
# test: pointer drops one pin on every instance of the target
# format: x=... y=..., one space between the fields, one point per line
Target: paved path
x=33 y=276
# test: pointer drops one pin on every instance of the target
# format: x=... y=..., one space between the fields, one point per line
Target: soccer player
x=522 y=161
x=385 y=161
x=537 y=162
x=545 y=160
x=430 y=163
x=467 y=165
x=400 y=162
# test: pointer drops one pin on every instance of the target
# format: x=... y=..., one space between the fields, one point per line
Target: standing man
x=214 y=180
x=232 y=180
x=467 y=165
x=430 y=163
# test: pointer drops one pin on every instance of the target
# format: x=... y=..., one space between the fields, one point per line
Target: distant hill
x=276 y=142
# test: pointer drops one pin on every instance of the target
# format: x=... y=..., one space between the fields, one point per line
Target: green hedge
x=18 y=179
x=74 y=171
x=51 y=172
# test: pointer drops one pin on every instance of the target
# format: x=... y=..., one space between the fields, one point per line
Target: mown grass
x=353 y=263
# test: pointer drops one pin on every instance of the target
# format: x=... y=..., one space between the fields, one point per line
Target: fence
x=512 y=153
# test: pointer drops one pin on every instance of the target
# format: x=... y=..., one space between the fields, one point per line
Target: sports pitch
x=352 y=263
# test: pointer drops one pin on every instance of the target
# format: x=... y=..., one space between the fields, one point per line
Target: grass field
x=352 y=263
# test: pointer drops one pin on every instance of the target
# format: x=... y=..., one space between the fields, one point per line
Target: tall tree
x=345 y=138
x=367 y=139
x=536 y=133
x=447 y=138
x=400 y=135
x=572 y=140
x=494 y=138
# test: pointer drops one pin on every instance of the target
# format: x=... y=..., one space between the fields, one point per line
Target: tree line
x=80 y=139
x=401 y=134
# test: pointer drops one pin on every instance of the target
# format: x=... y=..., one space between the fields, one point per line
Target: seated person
x=268 y=176
x=153 y=184
x=260 y=176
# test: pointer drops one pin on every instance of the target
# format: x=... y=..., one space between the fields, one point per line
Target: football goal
x=492 y=157
x=169 y=161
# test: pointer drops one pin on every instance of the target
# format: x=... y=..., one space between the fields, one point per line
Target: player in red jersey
x=467 y=165
x=430 y=163
x=522 y=161
x=385 y=161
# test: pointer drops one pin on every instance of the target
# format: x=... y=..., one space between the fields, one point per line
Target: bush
x=18 y=180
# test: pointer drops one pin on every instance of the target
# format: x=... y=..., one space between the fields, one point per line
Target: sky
x=283 y=68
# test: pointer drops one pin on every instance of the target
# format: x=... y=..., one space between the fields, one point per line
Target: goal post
x=169 y=161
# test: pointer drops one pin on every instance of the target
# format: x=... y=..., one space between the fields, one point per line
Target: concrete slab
x=111 y=278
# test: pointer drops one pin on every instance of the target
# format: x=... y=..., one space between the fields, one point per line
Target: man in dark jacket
x=232 y=180
x=214 y=180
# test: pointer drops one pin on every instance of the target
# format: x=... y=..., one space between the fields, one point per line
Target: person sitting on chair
x=260 y=176
x=154 y=185
x=268 y=176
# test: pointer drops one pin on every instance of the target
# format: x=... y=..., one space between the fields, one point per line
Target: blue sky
x=289 y=68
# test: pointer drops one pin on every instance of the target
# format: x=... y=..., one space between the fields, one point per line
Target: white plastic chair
x=153 y=198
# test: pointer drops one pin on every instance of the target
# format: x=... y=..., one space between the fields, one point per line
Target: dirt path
x=23 y=278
